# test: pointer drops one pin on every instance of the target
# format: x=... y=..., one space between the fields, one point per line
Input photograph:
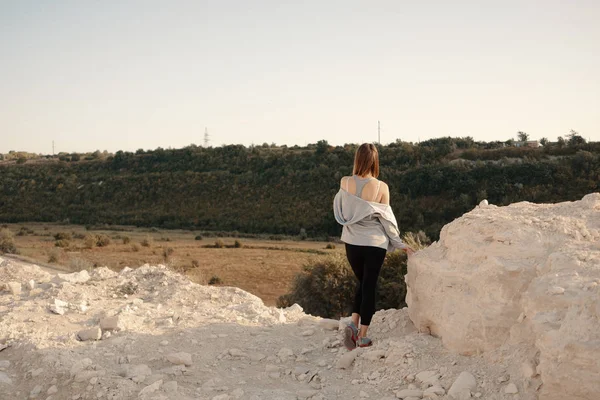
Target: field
x=262 y=267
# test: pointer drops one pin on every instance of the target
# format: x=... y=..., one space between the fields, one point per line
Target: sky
x=125 y=75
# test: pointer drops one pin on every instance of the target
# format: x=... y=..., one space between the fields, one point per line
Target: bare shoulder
x=343 y=181
x=384 y=187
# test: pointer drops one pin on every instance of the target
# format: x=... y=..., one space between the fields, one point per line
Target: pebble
x=237 y=353
x=4 y=364
x=52 y=390
x=511 y=388
x=307 y=393
x=257 y=356
x=14 y=287
x=308 y=332
x=528 y=369
x=180 y=358
x=35 y=391
x=374 y=355
x=90 y=334
x=347 y=359
x=329 y=324
x=5 y=379
x=75 y=277
x=363 y=394
x=37 y=372
x=31 y=284
x=285 y=353
x=111 y=323
x=502 y=379
x=463 y=386
x=223 y=396
x=237 y=393
x=555 y=290
x=403 y=394
x=164 y=343
x=151 y=388
x=437 y=390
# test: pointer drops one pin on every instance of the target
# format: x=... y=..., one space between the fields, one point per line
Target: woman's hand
x=409 y=251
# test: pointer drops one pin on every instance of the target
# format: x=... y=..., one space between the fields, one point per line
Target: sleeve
x=393 y=234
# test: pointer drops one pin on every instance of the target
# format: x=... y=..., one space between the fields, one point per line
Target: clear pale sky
x=142 y=74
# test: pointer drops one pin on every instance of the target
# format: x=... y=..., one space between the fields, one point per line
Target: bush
x=63 y=243
x=330 y=246
x=147 y=242
x=89 y=240
x=195 y=264
x=237 y=244
x=198 y=237
x=219 y=244
x=167 y=251
x=63 y=236
x=326 y=286
x=79 y=264
x=53 y=256
x=135 y=247
x=102 y=240
x=215 y=280
x=7 y=242
x=126 y=239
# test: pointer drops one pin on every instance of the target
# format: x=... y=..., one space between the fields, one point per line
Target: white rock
x=363 y=394
x=169 y=387
x=75 y=277
x=556 y=290
x=257 y=356
x=52 y=390
x=237 y=393
x=308 y=332
x=511 y=388
x=437 y=390
x=284 y=353
x=151 y=388
x=4 y=364
x=237 y=353
x=528 y=369
x=137 y=373
x=35 y=392
x=4 y=379
x=329 y=324
x=306 y=393
x=346 y=360
x=90 y=334
x=14 y=287
x=374 y=355
x=483 y=203
x=406 y=393
x=58 y=306
x=180 y=358
x=111 y=323
x=223 y=396
x=463 y=385
x=31 y=284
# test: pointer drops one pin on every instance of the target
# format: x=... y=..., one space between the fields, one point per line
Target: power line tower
x=206 y=137
x=379 y=132
x=53 y=148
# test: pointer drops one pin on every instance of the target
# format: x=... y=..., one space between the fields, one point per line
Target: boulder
x=521 y=275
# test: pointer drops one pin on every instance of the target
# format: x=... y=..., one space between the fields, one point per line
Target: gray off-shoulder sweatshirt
x=366 y=223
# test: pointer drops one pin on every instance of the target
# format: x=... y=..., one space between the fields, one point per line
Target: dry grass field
x=262 y=267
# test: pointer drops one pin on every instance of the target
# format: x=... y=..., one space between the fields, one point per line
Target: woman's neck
x=369 y=175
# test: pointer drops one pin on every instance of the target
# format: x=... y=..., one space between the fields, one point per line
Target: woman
x=369 y=231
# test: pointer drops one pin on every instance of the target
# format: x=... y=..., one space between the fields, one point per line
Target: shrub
x=198 y=237
x=102 y=240
x=147 y=242
x=195 y=264
x=135 y=247
x=79 y=264
x=215 y=280
x=237 y=244
x=78 y=236
x=89 y=240
x=126 y=239
x=7 y=242
x=326 y=286
x=219 y=244
x=330 y=246
x=63 y=243
x=63 y=236
x=167 y=251
x=53 y=256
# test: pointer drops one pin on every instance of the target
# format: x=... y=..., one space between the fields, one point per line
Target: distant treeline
x=289 y=190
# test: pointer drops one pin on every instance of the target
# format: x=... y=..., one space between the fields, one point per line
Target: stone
x=150 y=388
x=4 y=379
x=37 y=372
x=111 y=323
x=31 y=284
x=90 y=334
x=237 y=393
x=434 y=390
x=462 y=386
x=237 y=353
x=511 y=388
x=14 y=287
x=301 y=370
x=223 y=396
x=427 y=377
x=308 y=332
x=284 y=353
x=35 y=391
x=306 y=393
x=271 y=368
x=346 y=360
x=169 y=387
x=483 y=203
x=556 y=290
x=502 y=379
x=137 y=373
x=374 y=355
x=363 y=394
x=528 y=369
x=58 y=307
x=4 y=364
x=52 y=390
x=329 y=324
x=75 y=277
x=406 y=393
x=180 y=358
x=257 y=356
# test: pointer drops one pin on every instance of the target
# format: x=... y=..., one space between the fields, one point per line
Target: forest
x=280 y=190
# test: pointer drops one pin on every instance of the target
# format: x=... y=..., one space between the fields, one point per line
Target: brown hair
x=366 y=160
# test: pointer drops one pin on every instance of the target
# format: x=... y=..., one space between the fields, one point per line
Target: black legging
x=366 y=262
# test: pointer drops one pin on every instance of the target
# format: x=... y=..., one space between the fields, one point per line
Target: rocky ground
x=152 y=334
